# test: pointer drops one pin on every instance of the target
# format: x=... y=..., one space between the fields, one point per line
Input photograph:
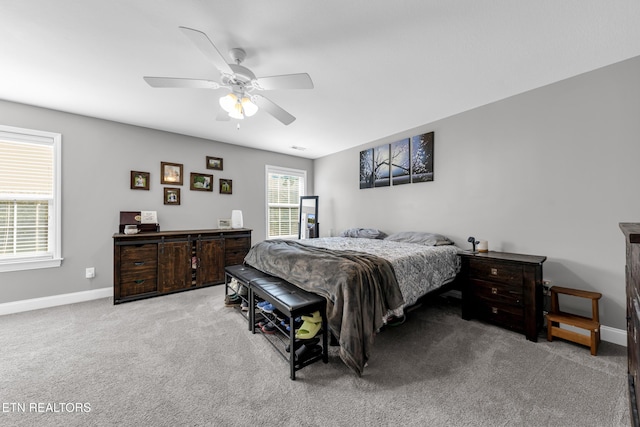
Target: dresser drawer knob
x=494 y=271
x=138 y=263
x=139 y=281
x=494 y=291
x=494 y=310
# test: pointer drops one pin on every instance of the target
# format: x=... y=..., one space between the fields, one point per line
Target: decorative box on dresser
x=504 y=289
x=150 y=264
x=632 y=236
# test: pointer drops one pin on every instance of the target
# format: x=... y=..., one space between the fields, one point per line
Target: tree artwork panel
x=404 y=161
x=400 y=162
x=381 y=167
x=366 y=168
x=422 y=158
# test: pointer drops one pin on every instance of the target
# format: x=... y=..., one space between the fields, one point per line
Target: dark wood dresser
x=150 y=264
x=632 y=237
x=504 y=289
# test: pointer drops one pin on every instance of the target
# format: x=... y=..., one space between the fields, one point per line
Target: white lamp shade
x=249 y=107
x=236 y=219
x=228 y=102
x=236 y=113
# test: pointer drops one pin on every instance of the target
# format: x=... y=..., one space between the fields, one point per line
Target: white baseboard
x=54 y=301
x=607 y=333
x=613 y=335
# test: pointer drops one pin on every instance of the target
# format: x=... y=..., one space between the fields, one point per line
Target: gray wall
x=548 y=172
x=97 y=157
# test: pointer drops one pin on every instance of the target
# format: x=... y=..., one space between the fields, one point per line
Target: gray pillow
x=364 y=233
x=420 y=238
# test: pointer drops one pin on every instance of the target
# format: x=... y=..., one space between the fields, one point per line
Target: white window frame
x=283 y=171
x=54 y=256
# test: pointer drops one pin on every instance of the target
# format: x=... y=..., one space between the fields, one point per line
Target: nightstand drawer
x=497 y=292
x=496 y=272
x=507 y=316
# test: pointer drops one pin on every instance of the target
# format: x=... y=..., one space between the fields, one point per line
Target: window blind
x=26 y=196
x=26 y=169
x=284 y=188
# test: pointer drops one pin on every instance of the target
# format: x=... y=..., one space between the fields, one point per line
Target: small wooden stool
x=591 y=324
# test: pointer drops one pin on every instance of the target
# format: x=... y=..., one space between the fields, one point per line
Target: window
x=284 y=188
x=29 y=199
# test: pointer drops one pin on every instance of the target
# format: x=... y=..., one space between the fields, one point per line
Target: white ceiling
x=379 y=67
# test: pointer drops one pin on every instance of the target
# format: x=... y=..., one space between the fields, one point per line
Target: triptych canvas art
x=406 y=161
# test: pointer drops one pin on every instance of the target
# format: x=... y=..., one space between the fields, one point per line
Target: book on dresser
x=150 y=264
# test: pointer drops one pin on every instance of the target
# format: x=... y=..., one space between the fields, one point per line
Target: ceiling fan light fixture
x=228 y=102
x=236 y=113
x=248 y=107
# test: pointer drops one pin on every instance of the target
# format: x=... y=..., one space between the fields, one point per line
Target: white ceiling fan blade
x=286 y=81
x=206 y=46
x=273 y=109
x=181 y=83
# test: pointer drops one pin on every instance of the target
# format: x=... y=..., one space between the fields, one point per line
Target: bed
x=364 y=280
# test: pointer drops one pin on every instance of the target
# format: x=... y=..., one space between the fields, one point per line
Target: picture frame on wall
x=226 y=186
x=214 y=163
x=422 y=157
x=201 y=182
x=170 y=173
x=140 y=180
x=400 y=162
x=366 y=168
x=381 y=168
x=171 y=196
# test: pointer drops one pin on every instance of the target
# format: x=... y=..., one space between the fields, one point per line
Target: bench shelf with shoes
x=289 y=318
x=236 y=294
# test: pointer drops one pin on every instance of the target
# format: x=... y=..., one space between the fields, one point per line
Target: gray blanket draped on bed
x=360 y=289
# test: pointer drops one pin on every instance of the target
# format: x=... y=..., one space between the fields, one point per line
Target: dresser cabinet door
x=174 y=266
x=210 y=263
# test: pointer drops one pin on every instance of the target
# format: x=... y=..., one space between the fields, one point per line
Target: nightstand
x=504 y=289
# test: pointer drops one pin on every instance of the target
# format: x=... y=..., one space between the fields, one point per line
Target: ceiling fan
x=242 y=99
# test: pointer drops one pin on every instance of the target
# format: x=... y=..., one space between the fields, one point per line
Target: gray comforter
x=360 y=289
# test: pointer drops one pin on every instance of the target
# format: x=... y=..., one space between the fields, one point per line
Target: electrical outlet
x=546 y=285
x=90 y=273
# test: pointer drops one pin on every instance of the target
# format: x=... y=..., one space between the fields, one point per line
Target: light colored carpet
x=185 y=359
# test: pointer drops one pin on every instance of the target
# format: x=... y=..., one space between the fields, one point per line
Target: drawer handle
x=494 y=271
x=494 y=310
x=138 y=263
x=139 y=281
x=494 y=291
